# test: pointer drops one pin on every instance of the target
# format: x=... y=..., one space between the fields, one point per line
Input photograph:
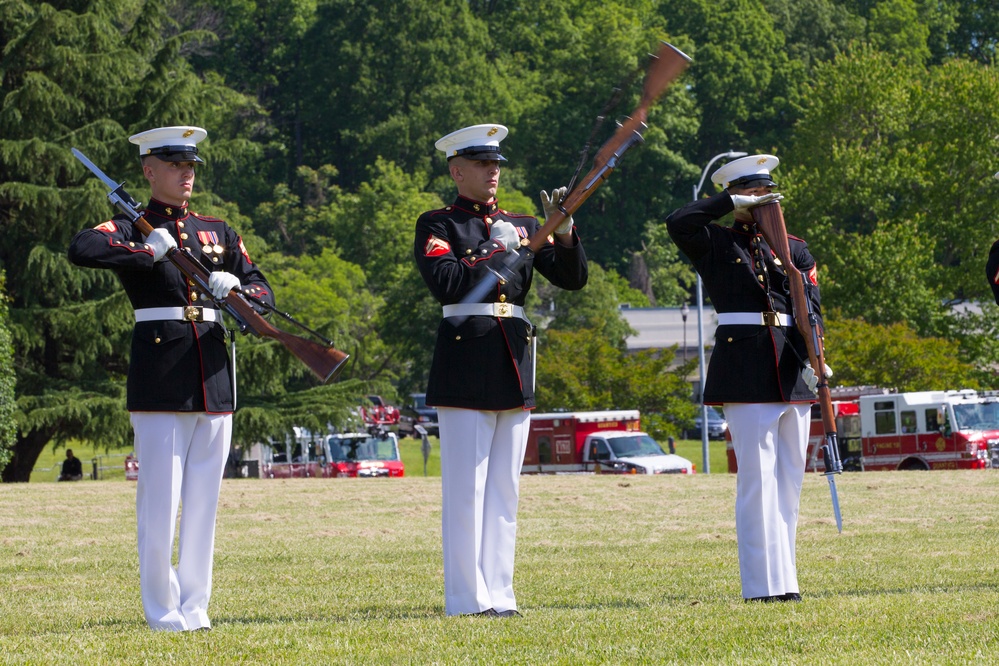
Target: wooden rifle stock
x=325 y=362
x=769 y=219
x=666 y=66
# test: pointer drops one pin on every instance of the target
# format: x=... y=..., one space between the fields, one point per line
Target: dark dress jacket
x=485 y=362
x=992 y=270
x=175 y=365
x=749 y=364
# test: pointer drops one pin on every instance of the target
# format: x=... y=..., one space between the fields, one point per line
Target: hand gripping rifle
x=663 y=69
x=322 y=359
x=770 y=220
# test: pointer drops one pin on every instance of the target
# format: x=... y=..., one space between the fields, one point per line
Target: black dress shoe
x=790 y=596
x=765 y=600
x=489 y=612
x=507 y=613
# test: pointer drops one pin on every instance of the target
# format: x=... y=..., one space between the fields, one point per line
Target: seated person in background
x=72 y=468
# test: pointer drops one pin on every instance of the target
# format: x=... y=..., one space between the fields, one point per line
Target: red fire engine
x=921 y=430
x=361 y=454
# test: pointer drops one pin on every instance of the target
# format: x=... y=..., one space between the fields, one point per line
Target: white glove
x=808 y=374
x=551 y=207
x=221 y=283
x=160 y=241
x=746 y=201
x=505 y=234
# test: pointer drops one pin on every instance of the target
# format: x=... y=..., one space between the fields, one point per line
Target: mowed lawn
x=610 y=570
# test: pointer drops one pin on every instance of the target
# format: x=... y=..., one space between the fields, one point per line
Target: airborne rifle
x=664 y=67
x=322 y=359
x=770 y=220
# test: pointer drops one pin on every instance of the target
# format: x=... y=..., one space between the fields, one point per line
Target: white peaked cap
x=170 y=144
x=745 y=170
x=478 y=142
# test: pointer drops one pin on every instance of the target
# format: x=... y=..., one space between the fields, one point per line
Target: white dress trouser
x=481 y=457
x=181 y=459
x=769 y=441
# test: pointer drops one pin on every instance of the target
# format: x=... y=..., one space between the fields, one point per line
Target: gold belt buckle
x=771 y=319
x=503 y=309
x=193 y=313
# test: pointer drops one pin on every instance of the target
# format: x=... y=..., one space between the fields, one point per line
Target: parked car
x=717 y=425
x=417 y=412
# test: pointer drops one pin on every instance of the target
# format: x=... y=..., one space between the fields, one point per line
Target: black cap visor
x=488 y=153
x=755 y=180
x=177 y=154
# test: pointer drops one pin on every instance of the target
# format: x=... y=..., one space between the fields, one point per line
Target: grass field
x=610 y=570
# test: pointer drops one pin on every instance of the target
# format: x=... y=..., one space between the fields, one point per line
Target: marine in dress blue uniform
x=758 y=371
x=992 y=265
x=482 y=375
x=181 y=383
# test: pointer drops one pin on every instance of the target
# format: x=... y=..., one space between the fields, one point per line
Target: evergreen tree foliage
x=69 y=78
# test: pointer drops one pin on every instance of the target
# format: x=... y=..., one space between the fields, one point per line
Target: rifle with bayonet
x=770 y=221
x=322 y=359
x=664 y=67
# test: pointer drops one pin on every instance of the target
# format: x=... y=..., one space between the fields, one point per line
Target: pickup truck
x=606 y=442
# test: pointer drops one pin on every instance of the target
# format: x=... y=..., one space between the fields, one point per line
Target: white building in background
x=659 y=328
x=662 y=328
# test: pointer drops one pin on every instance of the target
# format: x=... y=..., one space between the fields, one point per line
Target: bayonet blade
x=835 y=501
x=95 y=169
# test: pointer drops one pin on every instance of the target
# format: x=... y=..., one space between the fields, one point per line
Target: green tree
x=976 y=33
x=890 y=180
x=355 y=101
x=894 y=356
x=741 y=77
x=894 y=28
x=816 y=30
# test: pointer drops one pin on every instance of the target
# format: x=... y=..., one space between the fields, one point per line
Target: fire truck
x=608 y=442
x=372 y=454
x=920 y=430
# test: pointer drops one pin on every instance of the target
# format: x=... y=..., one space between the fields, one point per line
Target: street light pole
x=684 y=311
x=705 y=465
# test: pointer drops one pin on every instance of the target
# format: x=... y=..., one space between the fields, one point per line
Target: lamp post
x=684 y=311
x=705 y=465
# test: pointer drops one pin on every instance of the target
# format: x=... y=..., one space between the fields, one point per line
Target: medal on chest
x=210 y=246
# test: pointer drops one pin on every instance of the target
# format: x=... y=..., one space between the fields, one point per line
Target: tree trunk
x=638 y=277
x=26 y=452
